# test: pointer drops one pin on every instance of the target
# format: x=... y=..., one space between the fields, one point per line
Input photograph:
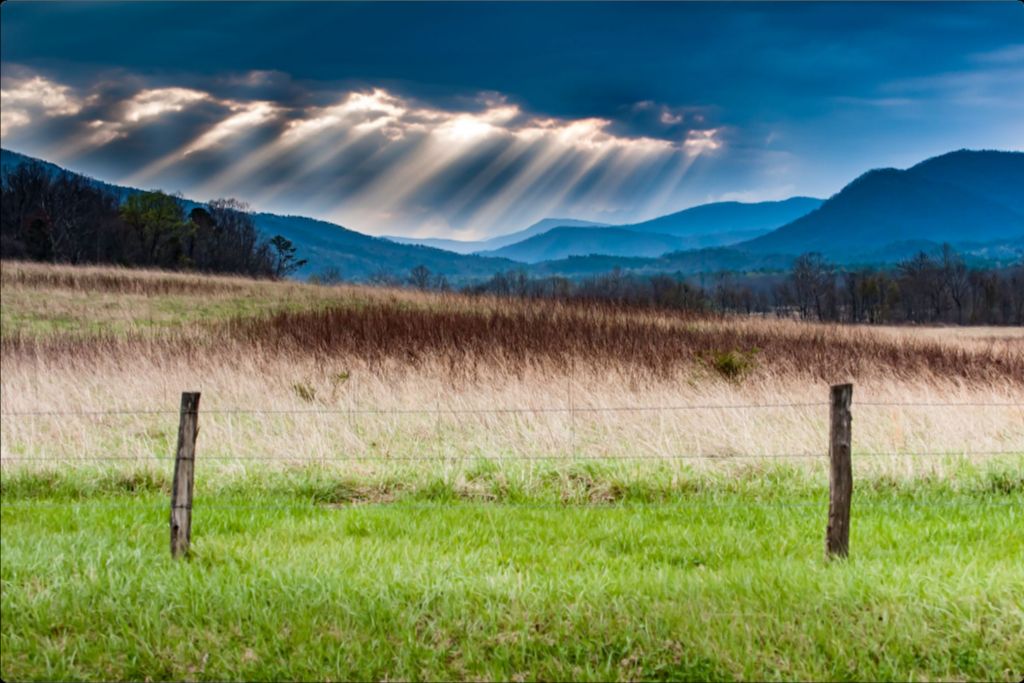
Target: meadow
x=394 y=484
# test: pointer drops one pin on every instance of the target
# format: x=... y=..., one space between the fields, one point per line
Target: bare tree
x=813 y=285
x=954 y=279
x=419 y=277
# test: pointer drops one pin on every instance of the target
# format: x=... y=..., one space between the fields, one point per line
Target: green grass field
x=681 y=575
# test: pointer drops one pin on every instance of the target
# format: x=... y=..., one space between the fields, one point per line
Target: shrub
x=304 y=391
x=732 y=365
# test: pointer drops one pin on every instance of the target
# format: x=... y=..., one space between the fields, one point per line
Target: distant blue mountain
x=708 y=225
x=559 y=243
x=727 y=218
x=477 y=246
x=960 y=197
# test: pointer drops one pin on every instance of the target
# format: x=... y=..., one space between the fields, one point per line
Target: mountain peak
x=963 y=196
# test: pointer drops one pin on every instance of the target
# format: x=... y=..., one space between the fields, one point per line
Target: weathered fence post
x=840 y=481
x=184 y=469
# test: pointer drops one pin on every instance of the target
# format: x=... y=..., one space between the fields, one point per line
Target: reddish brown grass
x=517 y=337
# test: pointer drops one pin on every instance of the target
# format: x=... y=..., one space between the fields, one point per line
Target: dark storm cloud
x=571 y=60
x=474 y=117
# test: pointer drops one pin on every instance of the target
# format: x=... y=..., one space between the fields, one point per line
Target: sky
x=467 y=120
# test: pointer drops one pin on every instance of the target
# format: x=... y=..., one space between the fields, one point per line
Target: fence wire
x=568 y=409
x=571 y=409
x=328 y=459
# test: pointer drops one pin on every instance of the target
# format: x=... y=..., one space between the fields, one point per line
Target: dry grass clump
x=660 y=344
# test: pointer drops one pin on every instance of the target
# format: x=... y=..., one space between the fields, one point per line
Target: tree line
x=65 y=218
x=927 y=288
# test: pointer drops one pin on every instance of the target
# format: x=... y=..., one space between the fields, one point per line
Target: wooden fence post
x=184 y=469
x=840 y=482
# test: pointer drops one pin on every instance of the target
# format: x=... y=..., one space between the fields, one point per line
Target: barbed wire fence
x=839 y=455
x=569 y=410
x=505 y=410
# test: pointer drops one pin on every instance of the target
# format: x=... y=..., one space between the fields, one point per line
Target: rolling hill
x=559 y=243
x=959 y=197
x=995 y=176
x=359 y=257
x=726 y=218
x=708 y=225
x=355 y=255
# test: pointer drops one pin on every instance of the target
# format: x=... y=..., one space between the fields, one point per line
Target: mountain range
x=707 y=225
x=971 y=199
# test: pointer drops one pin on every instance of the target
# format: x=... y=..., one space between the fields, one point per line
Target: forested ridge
x=66 y=218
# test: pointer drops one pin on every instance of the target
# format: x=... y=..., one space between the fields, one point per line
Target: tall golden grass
x=394 y=375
